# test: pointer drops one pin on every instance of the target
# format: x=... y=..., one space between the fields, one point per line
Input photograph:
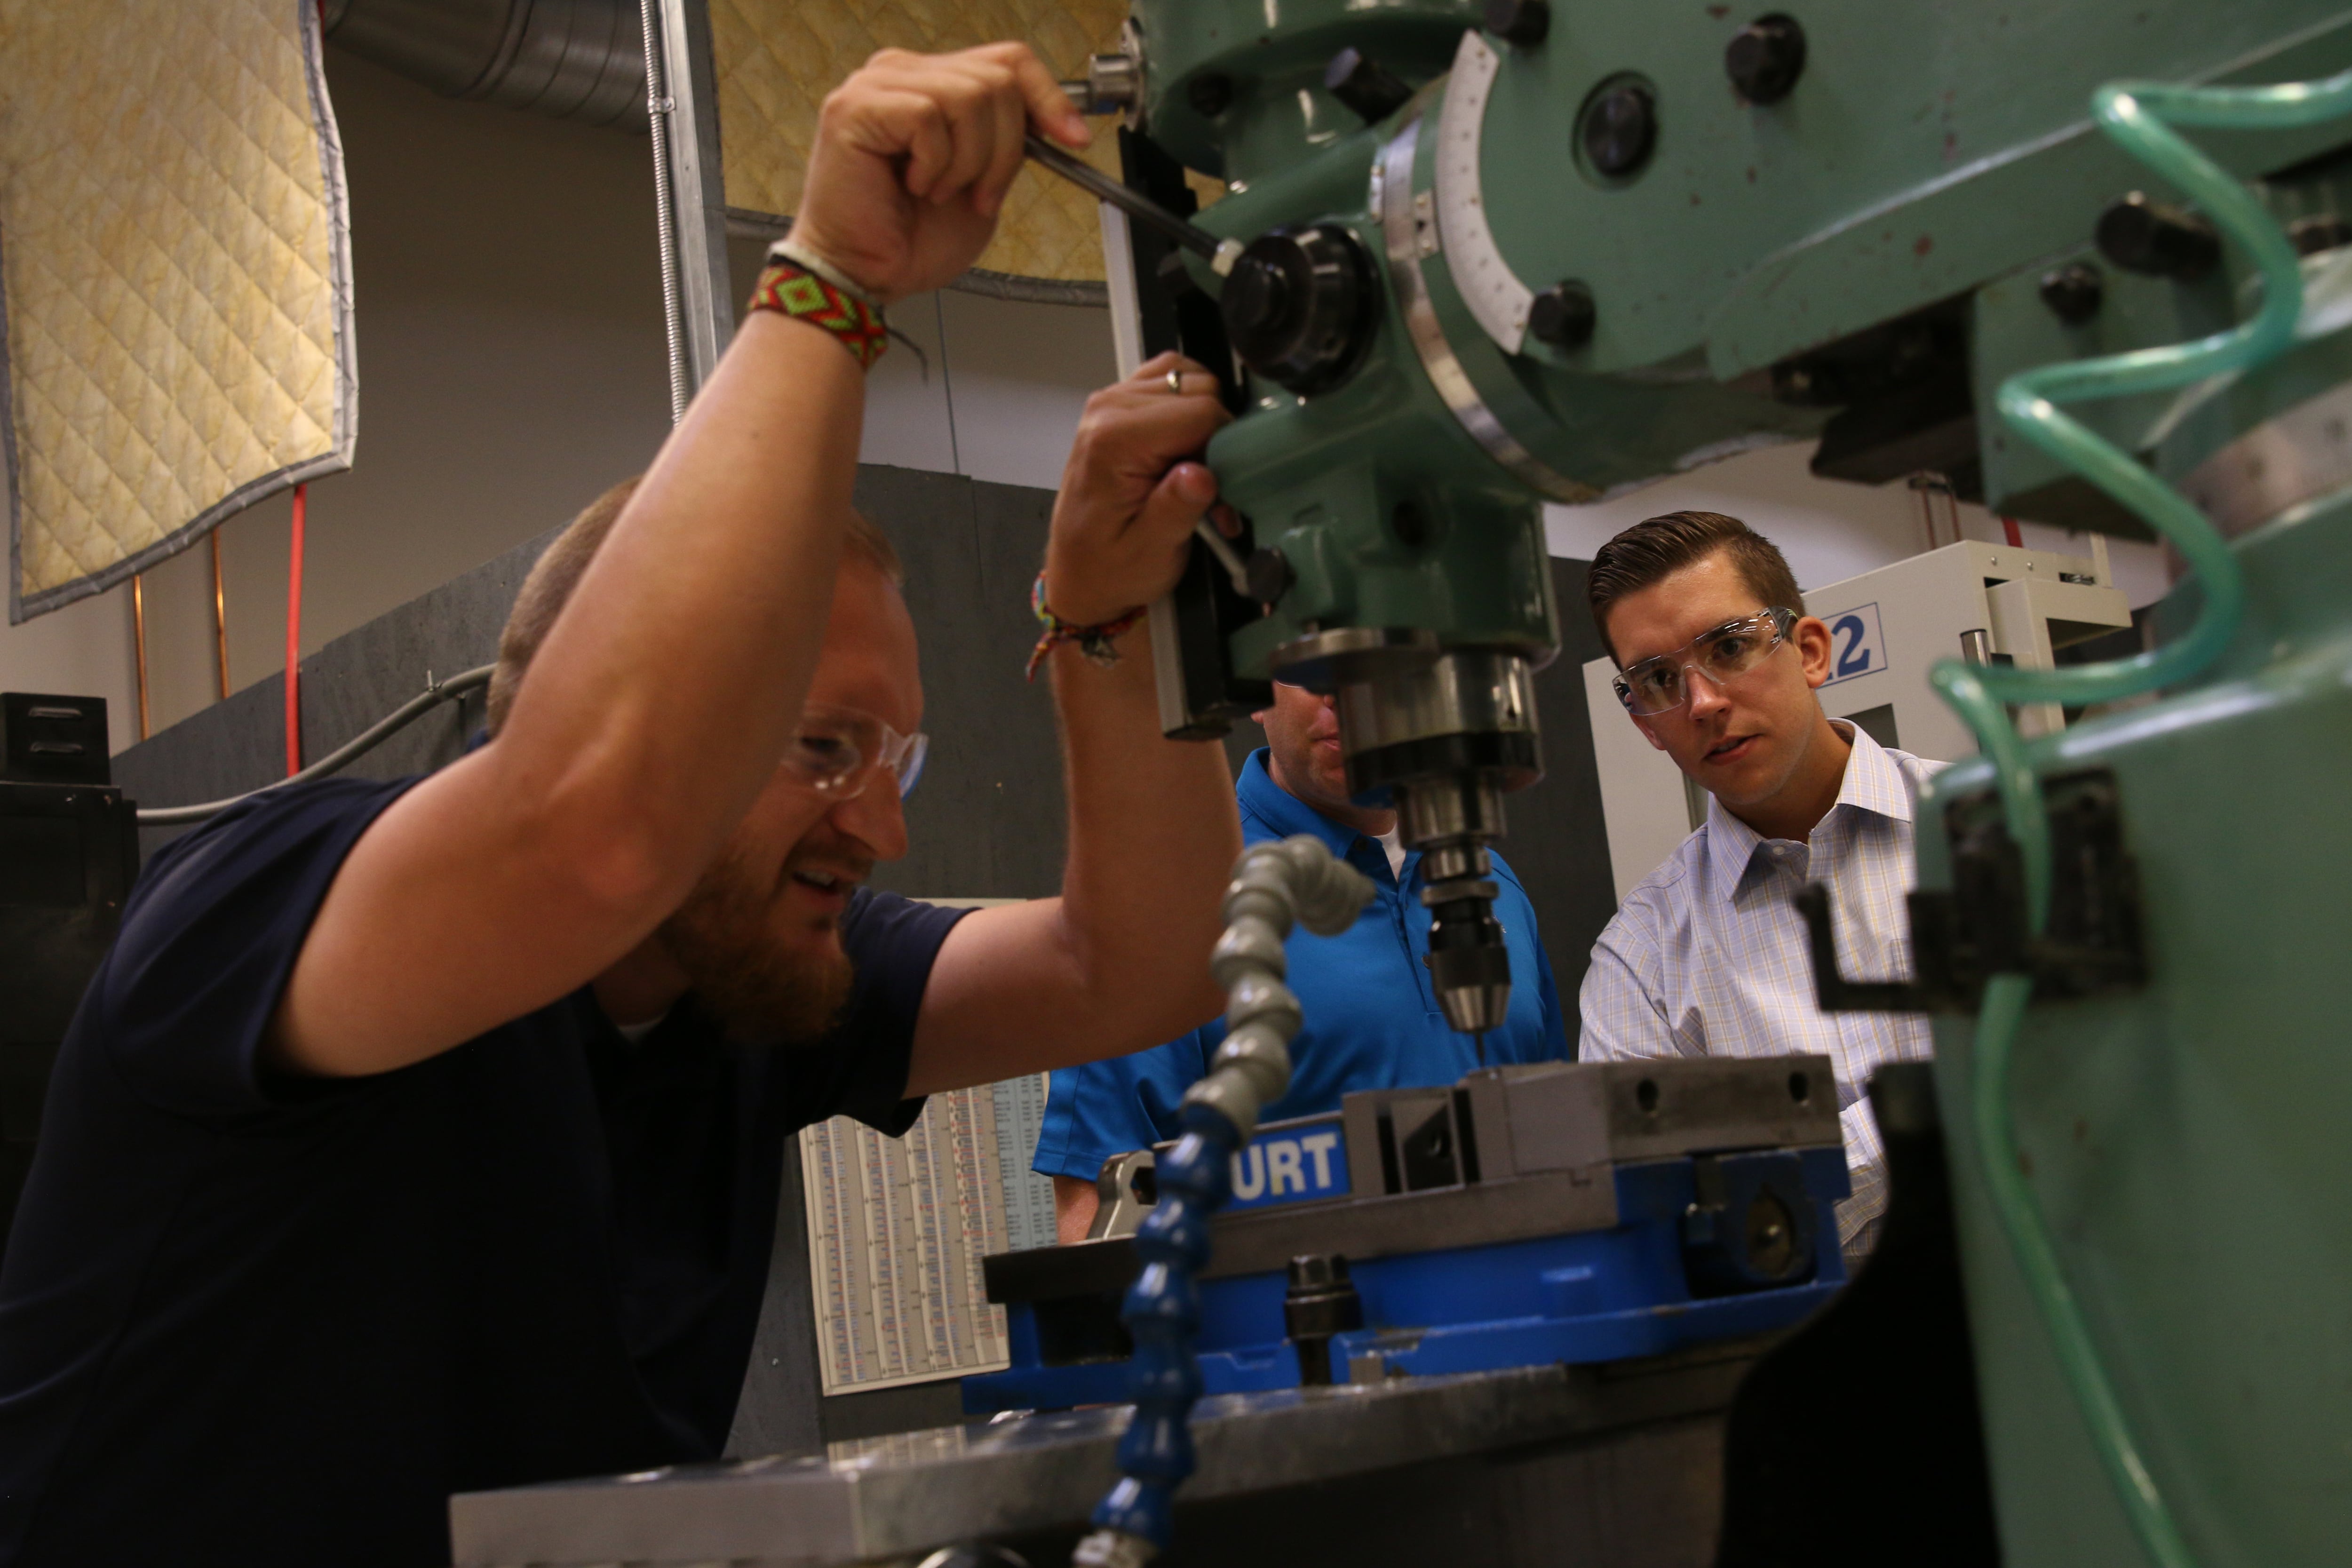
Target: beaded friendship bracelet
x=1097 y=643
x=792 y=289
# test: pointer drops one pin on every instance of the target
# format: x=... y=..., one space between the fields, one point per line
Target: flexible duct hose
x=341 y=757
x=1274 y=884
x=2135 y=114
x=571 y=59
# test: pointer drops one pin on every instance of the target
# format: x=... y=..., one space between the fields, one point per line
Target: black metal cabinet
x=69 y=852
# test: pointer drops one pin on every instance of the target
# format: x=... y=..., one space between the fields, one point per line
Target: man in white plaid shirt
x=1718 y=665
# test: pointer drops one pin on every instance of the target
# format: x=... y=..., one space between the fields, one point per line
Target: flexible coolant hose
x=1296 y=880
x=2135 y=115
x=342 y=756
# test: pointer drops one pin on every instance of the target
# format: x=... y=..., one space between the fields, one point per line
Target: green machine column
x=1408 y=570
x=2181 y=1141
x=1385 y=511
x=1565 y=261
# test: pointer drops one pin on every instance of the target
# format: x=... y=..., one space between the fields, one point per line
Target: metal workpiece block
x=1555 y=1118
x=1570 y=1115
x=1661 y=1109
x=1531 y=1119
x=887 y=1498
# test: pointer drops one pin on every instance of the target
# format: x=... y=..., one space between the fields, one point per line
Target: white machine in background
x=1970 y=600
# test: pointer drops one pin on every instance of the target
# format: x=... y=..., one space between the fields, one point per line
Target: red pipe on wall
x=294 y=636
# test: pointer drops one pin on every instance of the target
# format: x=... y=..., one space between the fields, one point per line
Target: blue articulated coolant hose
x=1294 y=880
x=2137 y=115
x=1162 y=1313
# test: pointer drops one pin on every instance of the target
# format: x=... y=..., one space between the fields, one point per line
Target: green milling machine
x=2093 y=261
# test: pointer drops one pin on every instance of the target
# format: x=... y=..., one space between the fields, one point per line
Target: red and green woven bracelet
x=795 y=290
x=1097 y=644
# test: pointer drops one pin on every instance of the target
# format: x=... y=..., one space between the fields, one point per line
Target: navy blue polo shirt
x=254 y=1319
x=1372 y=1018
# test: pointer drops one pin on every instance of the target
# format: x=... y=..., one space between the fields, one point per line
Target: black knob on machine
x=2073 y=292
x=1269 y=575
x=1618 y=129
x=2157 y=239
x=1564 y=315
x=1765 y=59
x=1522 y=22
x=1299 y=307
x=1366 y=86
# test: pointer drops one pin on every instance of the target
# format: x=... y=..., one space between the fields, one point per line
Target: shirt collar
x=1731 y=843
x=1284 y=814
x=1872 y=783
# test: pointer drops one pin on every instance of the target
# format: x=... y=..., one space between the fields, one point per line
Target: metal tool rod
x=1227 y=557
x=1220 y=253
x=139 y=640
x=220 y=616
x=658 y=105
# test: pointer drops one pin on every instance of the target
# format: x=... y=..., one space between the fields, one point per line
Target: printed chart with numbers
x=897 y=1228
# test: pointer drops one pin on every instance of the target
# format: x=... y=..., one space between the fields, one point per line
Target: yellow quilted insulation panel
x=174 y=246
x=776 y=59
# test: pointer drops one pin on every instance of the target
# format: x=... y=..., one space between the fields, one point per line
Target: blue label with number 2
x=1855 y=645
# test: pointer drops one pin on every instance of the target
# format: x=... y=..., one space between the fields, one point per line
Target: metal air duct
x=572 y=59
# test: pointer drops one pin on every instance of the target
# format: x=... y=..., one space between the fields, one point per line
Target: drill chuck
x=1443 y=734
x=1469 y=964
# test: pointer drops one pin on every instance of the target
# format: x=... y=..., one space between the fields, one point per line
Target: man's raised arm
x=665 y=692
x=1120 y=961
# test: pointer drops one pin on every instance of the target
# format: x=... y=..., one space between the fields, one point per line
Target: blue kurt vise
x=1525 y=1215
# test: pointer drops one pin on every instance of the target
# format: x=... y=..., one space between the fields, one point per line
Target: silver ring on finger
x=1176 y=381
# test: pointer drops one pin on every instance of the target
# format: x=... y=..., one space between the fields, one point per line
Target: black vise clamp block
x=1962 y=937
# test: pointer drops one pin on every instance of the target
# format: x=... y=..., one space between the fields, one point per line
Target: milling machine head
x=1443 y=734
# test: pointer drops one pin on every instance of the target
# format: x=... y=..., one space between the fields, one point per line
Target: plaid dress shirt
x=1707 y=959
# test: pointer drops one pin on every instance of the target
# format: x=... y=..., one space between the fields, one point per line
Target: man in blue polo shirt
x=1373 y=1020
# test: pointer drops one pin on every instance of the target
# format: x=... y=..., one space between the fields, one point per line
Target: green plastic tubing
x=2135 y=114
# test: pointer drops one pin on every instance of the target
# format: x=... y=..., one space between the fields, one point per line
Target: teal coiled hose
x=2138 y=116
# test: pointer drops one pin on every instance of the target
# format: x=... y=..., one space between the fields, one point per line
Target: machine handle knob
x=2157 y=239
x=1765 y=59
x=1526 y=22
x=1366 y=86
